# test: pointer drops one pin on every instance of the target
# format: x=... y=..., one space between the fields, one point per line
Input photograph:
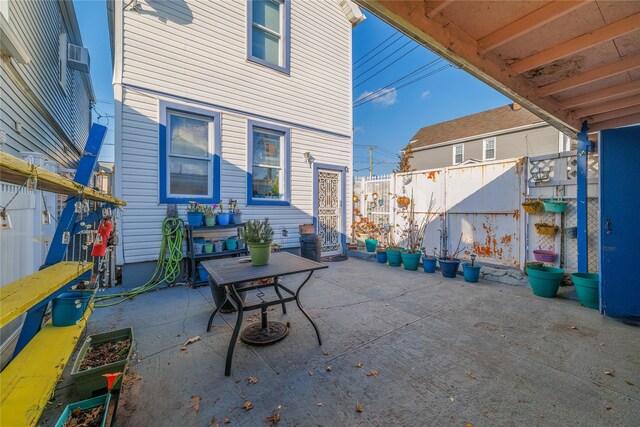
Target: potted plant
x=449 y=264
x=90 y=412
x=471 y=270
x=429 y=261
x=194 y=214
x=555 y=205
x=231 y=243
x=258 y=236
x=393 y=251
x=533 y=206
x=223 y=218
x=236 y=214
x=210 y=215
x=587 y=287
x=101 y=354
x=208 y=246
x=546 y=229
x=381 y=254
x=371 y=231
x=412 y=233
x=544 y=281
x=542 y=255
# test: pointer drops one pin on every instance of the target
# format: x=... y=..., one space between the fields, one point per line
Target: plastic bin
x=69 y=307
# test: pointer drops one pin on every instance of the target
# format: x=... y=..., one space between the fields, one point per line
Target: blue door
x=620 y=222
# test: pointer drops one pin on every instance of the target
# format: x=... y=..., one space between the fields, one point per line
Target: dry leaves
x=472 y=376
x=329 y=368
x=574 y=327
x=628 y=382
x=325 y=353
x=358 y=365
x=247 y=405
x=196 y=402
x=451 y=398
x=273 y=419
x=609 y=373
x=359 y=408
x=373 y=373
x=212 y=422
x=226 y=420
x=467 y=425
x=320 y=404
x=311 y=373
x=608 y=407
x=190 y=341
x=252 y=380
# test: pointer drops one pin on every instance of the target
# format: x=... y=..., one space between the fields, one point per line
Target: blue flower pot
x=223 y=218
x=394 y=258
x=232 y=243
x=449 y=267
x=410 y=261
x=429 y=264
x=202 y=272
x=545 y=281
x=69 y=307
x=194 y=219
x=371 y=244
x=587 y=287
x=471 y=273
x=382 y=257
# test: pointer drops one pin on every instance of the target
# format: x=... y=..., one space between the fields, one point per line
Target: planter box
x=103 y=400
x=546 y=229
x=91 y=380
x=533 y=206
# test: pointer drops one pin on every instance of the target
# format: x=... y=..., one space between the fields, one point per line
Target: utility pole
x=371 y=161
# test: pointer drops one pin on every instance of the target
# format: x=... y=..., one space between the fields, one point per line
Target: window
x=565 y=143
x=268 y=164
x=268 y=33
x=62 y=62
x=489 y=149
x=458 y=154
x=189 y=155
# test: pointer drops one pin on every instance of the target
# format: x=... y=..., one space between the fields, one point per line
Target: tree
x=404 y=161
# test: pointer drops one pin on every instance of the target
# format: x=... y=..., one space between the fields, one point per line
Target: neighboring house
x=45 y=115
x=501 y=133
x=232 y=99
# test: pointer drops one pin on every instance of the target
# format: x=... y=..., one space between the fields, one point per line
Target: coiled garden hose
x=167 y=268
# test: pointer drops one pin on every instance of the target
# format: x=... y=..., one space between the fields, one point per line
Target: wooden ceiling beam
x=602 y=94
x=432 y=8
x=614 y=123
x=527 y=23
x=585 y=41
x=591 y=75
x=615 y=114
x=604 y=107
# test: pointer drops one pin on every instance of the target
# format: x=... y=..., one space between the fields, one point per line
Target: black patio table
x=233 y=274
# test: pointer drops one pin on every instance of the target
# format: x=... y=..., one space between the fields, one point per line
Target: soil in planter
x=79 y=417
x=105 y=353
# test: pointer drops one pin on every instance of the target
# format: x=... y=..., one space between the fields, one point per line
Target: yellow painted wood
x=29 y=380
x=19 y=296
x=17 y=171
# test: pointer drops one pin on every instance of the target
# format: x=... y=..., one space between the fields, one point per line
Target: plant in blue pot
x=195 y=214
x=412 y=233
x=223 y=218
x=429 y=261
x=381 y=254
x=471 y=270
x=449 y=263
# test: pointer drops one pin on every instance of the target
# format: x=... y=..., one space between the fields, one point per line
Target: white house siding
x=199 y=55
x=38 y=25
x=529 y=142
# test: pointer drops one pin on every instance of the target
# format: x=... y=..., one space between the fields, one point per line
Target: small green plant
x=210 y=210
x=257 y=231
x=194 y=207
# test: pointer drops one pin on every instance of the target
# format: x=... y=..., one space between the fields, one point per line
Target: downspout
x=584 y=146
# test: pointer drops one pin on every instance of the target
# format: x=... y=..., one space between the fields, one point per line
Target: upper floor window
x=268 y=162
x=489 y=149
x=189 y=162
x=458 y=154
x=268 y=33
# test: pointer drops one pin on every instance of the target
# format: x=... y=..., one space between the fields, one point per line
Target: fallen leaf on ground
x=192 y=340
x=329 y=368
x=628 y=382
x=574 y=327
x=451 y=398
x=226 y=420
x=311 y=373
x=541 y=415
x=601 y=344
x=247 y=405
x=467 y=425
x=472 y=376
x=325 y=353
x=196 y=402
x=212 y=422
x=183 y=348
x=503 y=336
x=373 y=373
x=273 y=419
x=359 y=408
x=319 y=404
x=609 y=373
x=288 y=324
x=358 y=365
x=252 y=380
x=608 y=407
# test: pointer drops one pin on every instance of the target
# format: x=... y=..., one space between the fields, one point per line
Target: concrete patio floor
x=447 y=353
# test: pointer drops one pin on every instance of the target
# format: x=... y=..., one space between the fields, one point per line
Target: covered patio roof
x=566 y=61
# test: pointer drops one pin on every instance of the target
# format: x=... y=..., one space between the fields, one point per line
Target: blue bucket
x=204 y=275
x=69 y=307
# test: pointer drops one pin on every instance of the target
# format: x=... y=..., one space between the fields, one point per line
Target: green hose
x=167 y=268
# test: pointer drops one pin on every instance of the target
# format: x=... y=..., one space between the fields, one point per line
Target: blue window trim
x=286 y=167
x=164 y=196
x=286 y=39
x=343 y=193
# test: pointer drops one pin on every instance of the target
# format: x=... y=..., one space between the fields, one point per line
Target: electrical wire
x=385 y=58
x=167 y=268
x=377 y=53
x=416 y=71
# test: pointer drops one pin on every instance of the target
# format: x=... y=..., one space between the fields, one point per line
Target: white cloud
x=358 y=129
x=425 y=93
x=383 y=97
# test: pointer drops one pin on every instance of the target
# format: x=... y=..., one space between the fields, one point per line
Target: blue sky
x=387 y=122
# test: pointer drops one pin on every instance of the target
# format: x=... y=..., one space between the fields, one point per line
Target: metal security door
x=329 y=203
x=619 y=236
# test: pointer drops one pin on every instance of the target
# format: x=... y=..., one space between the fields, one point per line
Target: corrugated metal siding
x=530 y=142
x=38 y=25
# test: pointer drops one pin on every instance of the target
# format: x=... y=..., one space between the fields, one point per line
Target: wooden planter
x=533 y=206
x=547 y=229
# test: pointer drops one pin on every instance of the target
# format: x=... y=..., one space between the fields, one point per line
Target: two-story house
x=45 y=115
x=249 y=100
x=501 y=133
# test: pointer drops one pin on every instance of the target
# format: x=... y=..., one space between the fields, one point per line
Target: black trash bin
x=311 y=247
x=218 y=294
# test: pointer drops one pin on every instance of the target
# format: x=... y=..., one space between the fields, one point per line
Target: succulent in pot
x=210 y=215
x=258 y=236
x=195 y=214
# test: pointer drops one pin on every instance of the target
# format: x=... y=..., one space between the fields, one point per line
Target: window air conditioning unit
x=78 y=58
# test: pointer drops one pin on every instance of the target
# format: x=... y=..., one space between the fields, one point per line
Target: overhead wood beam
x=433 y=7
x=591 y=75
x=615 y=114
x=527 y=23
x=585 y=41
x=602 y=94
x=615 y=123
x=607 y=106
x=449 y=41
